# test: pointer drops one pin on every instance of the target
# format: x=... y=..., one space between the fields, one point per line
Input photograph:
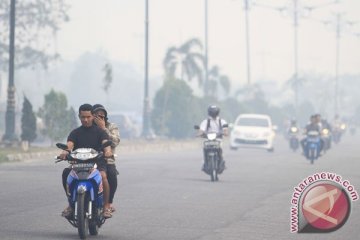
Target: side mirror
x=196 y=127
x=106 y=144
x=61 y=146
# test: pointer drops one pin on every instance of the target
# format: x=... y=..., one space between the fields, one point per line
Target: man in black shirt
x=89 y=136
x=312 y=126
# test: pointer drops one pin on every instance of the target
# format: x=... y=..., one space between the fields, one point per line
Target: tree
x=177 y=117
x=28 y=122
x=108 y=77
x=55 y=116
x=186 y=59
x=73 y=119
x=35 y=19
x=215 y=78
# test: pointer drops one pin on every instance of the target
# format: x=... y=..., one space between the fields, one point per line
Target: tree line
x=56 y=118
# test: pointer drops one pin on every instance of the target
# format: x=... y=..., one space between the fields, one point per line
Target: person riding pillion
x=101 y=120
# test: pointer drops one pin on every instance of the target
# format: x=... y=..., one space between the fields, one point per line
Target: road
x=165 y=196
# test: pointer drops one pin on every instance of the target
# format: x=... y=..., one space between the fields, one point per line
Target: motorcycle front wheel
x=82 y=221
x=93 y=223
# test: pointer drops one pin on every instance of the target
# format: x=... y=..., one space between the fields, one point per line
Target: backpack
x=208 y=124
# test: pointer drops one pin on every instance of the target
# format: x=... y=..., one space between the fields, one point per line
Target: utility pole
x=247 y=8
x=206 y=60
x=339 y=23
x=10 y=136
x=296 y=64
x=296 y=14
x=146 y=110
x=337 y=58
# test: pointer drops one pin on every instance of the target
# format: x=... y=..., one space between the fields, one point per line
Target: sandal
x=107 y=213
x=68 y=211
x=112 y=209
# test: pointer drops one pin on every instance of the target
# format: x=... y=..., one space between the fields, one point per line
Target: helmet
x=213 y=111
x=98 y=107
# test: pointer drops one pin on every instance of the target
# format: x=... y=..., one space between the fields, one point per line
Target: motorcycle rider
x=101 y=120
x=213 y=123
x=89 y=136
x=293 y=124
x=336 y=127
x=292 y=134
x=312 y=126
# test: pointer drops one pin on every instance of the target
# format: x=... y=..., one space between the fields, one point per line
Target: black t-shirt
x=312 y=127
x=88 y=137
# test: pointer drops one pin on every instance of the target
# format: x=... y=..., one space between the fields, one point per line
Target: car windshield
x=253 y=122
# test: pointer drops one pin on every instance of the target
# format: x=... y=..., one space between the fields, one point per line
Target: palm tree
x=214 y=80
x=187 y=59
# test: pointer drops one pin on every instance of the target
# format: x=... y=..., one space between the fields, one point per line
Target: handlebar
x=70 y=159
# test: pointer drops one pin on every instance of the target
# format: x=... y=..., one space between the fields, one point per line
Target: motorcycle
x=293 y=138
x=312 y=146
x=338 y=130
x=85 y=189
x=326 y=137
x=212 y=154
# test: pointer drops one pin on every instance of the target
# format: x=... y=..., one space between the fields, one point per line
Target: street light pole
x=339 y=23
x=10 y=110
x=247 y=8
x=206 y=60
x=337 y=58
x=296 y=11
x=146 y=110
x=296 y=64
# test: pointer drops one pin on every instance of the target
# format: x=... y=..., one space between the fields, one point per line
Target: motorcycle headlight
x=293 y=129
x=211 y=136
x=343 y=126
x=325 y=131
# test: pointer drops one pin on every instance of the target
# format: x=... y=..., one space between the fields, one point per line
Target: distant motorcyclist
x=292 y=135
x=326 y=124
x=312 y=126
x=326 y=134
x=213 y=124
x=338 y=128
x=293 y=128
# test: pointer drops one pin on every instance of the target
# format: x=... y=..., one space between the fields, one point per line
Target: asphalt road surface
x=165 y=196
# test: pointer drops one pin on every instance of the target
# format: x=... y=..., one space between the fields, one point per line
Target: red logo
x=325 y=207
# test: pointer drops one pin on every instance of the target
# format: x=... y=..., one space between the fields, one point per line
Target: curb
x=127 y=147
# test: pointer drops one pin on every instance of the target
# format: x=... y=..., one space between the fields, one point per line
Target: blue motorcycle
x=85 y=189
x=312 y=146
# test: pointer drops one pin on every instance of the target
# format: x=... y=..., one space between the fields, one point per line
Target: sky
x=116 y=28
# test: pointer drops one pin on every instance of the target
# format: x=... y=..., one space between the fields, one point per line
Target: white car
x=252 y=131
